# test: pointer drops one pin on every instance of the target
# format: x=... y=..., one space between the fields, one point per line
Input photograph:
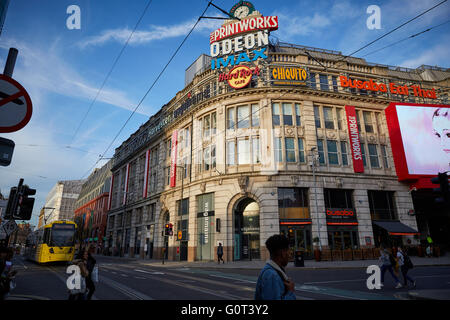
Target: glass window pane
x=230 y=152
x=276 y=114
x=368 y=121
x=256 y=150
x=277 y=150
x=255 y=115
x=317 y=116
x=290 y=149
x=332 y=152
x=243 y=114
x=213 y=123
x=213 y=156
x=312 y=80
x=231 y=119
x=287 y=114
x=344 y=153
x=301 y=151
x=298 y=114
x=340 y=119
x=363 y=152
x=206 y=126
x=373 y=155
x=206 y=158
x=385 y=158
x=328 y=115
x=320 y=149
x=323 y=82
x=243 y=151
x=335 y=85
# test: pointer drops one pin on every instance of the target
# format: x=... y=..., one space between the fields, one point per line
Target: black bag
x=407 y=262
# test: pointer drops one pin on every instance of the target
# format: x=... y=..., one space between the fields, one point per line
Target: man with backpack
x=405 y=264
x=273 y=283
x=387 y=262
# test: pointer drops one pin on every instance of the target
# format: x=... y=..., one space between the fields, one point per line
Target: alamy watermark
x=74 y=20
x=374 y=20
x=74 y=280
x=374 y=280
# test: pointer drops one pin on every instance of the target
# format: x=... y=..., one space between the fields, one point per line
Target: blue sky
x=63 y=69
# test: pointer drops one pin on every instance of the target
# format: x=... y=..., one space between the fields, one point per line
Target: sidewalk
x=258 y=264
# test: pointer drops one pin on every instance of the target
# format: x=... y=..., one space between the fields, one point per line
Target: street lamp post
x=314 y=158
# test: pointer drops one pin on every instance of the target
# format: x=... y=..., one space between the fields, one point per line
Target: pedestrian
x=386 y=262
x=79 y=293
x=405 y=264
x=220 y=253
x=429 y=251
x=273 y=283
x=91 y=268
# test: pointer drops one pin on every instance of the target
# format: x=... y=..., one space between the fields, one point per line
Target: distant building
x=19 y=236
x=60 y=202
x=92 y=206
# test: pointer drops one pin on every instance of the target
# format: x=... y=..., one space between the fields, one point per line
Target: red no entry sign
x=15 y=105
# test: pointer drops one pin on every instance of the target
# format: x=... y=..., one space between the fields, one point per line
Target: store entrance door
x=299 y=239
x=246 y=230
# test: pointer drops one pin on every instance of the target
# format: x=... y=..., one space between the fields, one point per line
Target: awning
x=396 y=228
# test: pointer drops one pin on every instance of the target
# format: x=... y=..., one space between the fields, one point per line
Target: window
x=338 y=199
x=231 y=119
x=243 y=151
x=301 y=151
x=381 y=204
x=287 y=114
x=323 y=82
x=185 y=167
x=255 y=115
x=335 y=85
x=293 y=203
x=213 y=124
x=167 y=175
x=363 y=153
x=368 y=121
x=297 y=115
x=168 y=147
x=332 y=152
x=357 y=120
x=385 y=156
x=256 y=150
x=231 y=151
x=379 y=123
x=373 y=156
x=328 y=115
x=199 y=160
x=312 y=80
x=243 y=117
x=206 y=126
x=290 y=149
x=183 y=207
x=344 y=153
x=277 y=150
x=206 y=158
x=213 y=156
x=317 y=116
x=320 y=149
x=276 y=114
x=339 y=113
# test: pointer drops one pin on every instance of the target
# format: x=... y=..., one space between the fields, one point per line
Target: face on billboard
x=425 y=133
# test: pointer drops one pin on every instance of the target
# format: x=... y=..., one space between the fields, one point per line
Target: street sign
x=15 y=105
x=9 y=226
x=180 y=234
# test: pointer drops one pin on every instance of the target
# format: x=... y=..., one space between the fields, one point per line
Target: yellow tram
x=52 y=243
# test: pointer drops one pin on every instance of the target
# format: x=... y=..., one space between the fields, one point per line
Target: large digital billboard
x=420 y=139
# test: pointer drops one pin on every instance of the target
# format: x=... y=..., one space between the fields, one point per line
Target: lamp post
x=314 y=158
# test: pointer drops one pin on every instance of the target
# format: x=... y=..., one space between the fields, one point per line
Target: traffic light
x=11 y=203
x=24 y=204
x=444 y=187
x=168 y=229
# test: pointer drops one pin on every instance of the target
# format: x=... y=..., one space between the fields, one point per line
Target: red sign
x=355 y=145
x=127 y=176
x=173 y=159
x=239 y=77
x=147 y=167
x=245 y=25
x=15 y=105
x=340 y=212
x=371 y=85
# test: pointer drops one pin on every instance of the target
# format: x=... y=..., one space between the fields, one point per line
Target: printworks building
x=271 y=138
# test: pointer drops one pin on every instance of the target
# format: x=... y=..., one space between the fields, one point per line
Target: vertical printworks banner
x=173 y=160
x=355 y=144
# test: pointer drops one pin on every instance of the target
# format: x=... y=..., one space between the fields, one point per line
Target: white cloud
x=295 y=25
x=155 y=32
x=433 y=56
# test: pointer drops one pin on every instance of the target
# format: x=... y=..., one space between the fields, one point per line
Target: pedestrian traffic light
x=25 y=204
x=444 y=187
x=170 y=229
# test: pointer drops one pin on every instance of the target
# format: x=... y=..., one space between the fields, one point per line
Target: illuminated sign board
x=239 y=77
x=419 y=135
x=341 y=216
x=288 y=75
x=393 y=88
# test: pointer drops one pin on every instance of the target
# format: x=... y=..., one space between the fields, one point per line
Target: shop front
x=246 y=230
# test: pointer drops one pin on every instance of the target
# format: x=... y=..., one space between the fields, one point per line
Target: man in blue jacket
x=273 y=283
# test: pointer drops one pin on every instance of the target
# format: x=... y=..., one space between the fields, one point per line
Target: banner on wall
x=173 y=159
x=355 y=144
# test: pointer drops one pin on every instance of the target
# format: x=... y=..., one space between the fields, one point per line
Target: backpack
x=407 y=261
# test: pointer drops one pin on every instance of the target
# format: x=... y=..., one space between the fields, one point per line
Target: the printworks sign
x=239 y=44
x=288 y=75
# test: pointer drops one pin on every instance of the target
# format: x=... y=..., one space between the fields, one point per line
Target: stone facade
x=211 y=164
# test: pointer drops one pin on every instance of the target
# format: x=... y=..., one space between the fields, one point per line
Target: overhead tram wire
x=381 y=37
x=410 y=37
x=151 y=87
x=110 y=71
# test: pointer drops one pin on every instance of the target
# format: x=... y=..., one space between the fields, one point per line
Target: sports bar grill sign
x=355 y=144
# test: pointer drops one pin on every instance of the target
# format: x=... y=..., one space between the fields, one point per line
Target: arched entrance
x=246 y=244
